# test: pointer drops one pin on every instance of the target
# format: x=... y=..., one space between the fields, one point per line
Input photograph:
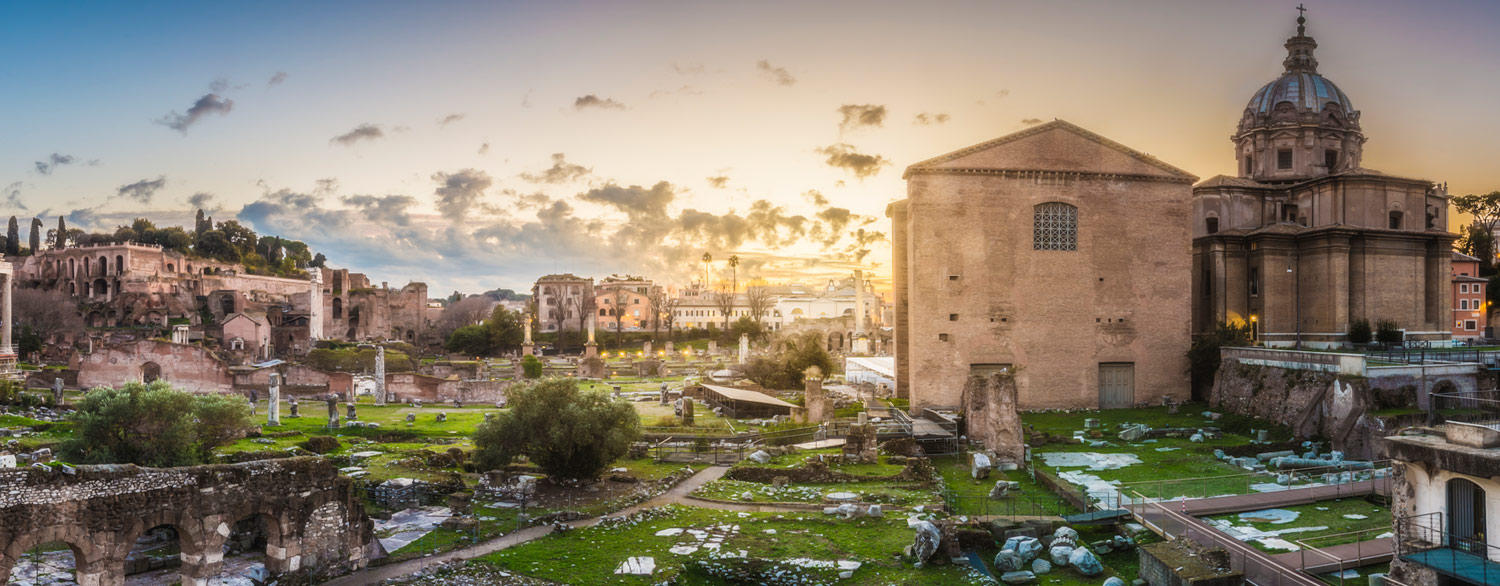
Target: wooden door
x=1116 y=385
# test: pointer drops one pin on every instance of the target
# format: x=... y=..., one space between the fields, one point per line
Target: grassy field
x=1182 y=459
x=1327 y=514
x=971 y=497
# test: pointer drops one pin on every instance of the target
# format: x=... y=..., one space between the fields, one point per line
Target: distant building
x=1470 y=313
x=627 y=297
x=1303 y=240
x=787 y=303
x=563 y=302
x=1053 y=253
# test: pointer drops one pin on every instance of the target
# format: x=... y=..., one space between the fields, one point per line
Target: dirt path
x=675 y=495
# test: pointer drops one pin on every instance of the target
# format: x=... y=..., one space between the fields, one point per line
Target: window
x=942 y=337
x=1212 y=225
x=1463 y=303
x=1055 y=227
x=1249 y=165
x=1395 y=220
x=952 y=317
x=1463 y=288
x=1471 y=325
x=1330 y=159
x=1289 y=212
x=1284 y=159
x=1254 y=281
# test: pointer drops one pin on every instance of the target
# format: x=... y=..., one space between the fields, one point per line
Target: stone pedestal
x=687 y=412
x=861 y=345
x=647 y=350
x=713 y=347
x=591 y=367
x=819 y=406
x=590 y=350
x=528 y=349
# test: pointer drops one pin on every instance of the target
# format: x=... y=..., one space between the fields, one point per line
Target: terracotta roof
x=1459 y=256
x=1468 y=279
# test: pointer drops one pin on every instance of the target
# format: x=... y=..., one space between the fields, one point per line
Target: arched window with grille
x=1055 y=226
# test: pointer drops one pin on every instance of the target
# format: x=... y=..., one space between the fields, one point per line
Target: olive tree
x=570 y=434
x=153 y=425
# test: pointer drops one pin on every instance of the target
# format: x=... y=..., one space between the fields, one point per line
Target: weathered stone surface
x=925 y=542
x=316 y=524
x=1023 y=577
x=990 y=402
x=1008 y=561
x=1085 y=562
x=1028 y=548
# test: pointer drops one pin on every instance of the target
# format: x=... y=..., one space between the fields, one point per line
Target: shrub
x=531 y=367
x=569 y=434
x=1359 y=331
x=1388 y=332
x=787 y=368
x=153 y=425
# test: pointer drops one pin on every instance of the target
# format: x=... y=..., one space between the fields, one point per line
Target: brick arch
x=88 y=556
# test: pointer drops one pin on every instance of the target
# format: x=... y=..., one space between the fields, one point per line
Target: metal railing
x=1258 y=568
x=1476 y=407
x=1425 y=539
x=1489 y=358
x=1315 y=560
x=1032 y=503
x=1339 y=477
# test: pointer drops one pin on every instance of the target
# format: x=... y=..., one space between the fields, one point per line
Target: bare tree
x=668 y=312
x=582 y=305
x=724 y=300
x=759 y=300
x=45 y=312
x=464 y=312
x=619 y=298
x=656 y=297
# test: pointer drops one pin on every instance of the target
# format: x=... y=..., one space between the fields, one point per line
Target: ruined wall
x=429 y=389
x=991 y=416
x=315 y=523
x=191 y=368
x=301 y=381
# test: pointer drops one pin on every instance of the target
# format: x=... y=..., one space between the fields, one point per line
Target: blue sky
x=773 y=130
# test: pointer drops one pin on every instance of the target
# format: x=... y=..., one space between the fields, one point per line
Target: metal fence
x=1258 y=567
x=1489 y=358
x=1319 y=560
x=1476 y=407
x=1426 y=539
x=1031 y=503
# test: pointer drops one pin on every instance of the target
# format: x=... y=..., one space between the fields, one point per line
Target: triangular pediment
x=1056 y=146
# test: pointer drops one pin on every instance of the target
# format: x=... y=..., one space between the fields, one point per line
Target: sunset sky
x=480 y=145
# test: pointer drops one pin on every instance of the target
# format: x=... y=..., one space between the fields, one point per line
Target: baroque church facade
x=1303 y=240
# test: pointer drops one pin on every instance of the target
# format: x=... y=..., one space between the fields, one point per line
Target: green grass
x=590 y=556
x=1190 y=460
x=1378 y=521
x=888 y=493
x=972 y=496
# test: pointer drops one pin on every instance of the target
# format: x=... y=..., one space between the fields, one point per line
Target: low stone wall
x=916 y=470
x=315 y=524
x=188 y=367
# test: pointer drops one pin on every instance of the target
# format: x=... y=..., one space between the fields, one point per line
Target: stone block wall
x=315 y=523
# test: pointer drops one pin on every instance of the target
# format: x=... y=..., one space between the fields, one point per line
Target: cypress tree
x=36 y=235
x=62 y=234
x=13 y=238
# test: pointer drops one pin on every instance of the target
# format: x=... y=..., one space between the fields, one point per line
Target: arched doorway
x=1466 y=516
x=245 y=548
x=836 y=342
x=150 y=371
x=155 y=555
x=43 y=555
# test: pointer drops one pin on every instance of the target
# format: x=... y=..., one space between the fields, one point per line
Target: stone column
x=819 y=407
x=57 y=391
x=671 y=349
x=273 y=400
x=646 y=350
x=380 y=375
x=315 y=307
x=744 y=347
x=859 y=304
x=7 y=289
x=591 y=349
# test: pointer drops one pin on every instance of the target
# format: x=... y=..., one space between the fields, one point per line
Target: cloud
x=636 y=202
x=861 y=115
x=925 y=119
x=718 y=181
x=208 y=104
x=833 y=222
x=1031 y=121
x=561 y=172
x=295 y=215
x=458 y=192
x=142 y=190
x=53 y=162
x=326 y=186
x=361 y=132
x=450 y=119
x=12 y=194
x=200 y=200
x=777 y=74
x=593 y=101
x=843 y=155
x=816 y=198
x=484 y=148
x=685 y=90
x=276 y=79
x=389 y=210
x=693 y=69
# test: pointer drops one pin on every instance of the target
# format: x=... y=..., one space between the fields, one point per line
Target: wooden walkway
x=1352 y=555
x=1180 y=519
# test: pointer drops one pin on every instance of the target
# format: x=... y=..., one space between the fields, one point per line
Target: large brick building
x=1052 y=252
x=1303 y=240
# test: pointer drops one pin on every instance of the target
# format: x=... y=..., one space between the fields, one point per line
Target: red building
x=1470 y=316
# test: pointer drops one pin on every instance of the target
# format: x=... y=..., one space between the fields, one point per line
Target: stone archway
x=836 y=342
x=32 y=550
x=150 y=371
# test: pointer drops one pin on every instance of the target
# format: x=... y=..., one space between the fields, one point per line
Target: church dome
x=1307 y=91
